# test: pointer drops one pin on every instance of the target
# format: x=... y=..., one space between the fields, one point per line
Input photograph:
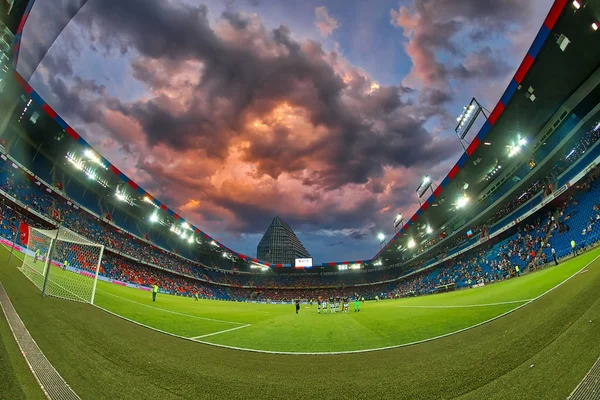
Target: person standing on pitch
x=554 y=256
x=356 y=305
x=297 y=306
x=154 y=291
x=574 y=247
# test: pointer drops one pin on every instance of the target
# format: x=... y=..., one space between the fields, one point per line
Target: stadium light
x=576 y=4
x=191 y=239
x=185 y=225
x=411 y=243
x=397 y=221
x=92 y=156
x=381 y=237
x=594 y=26
x=154 y=217
x=425 y=184
x=429 y=230
x=224 y=254
x=120 y=196
x=515 y=148
x=461 y=202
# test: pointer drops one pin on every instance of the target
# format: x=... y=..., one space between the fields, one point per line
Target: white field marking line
x=471 y=305
x=172 y=312
x=219 y=332
x=325 y=353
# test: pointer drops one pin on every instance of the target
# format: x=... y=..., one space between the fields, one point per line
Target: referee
x=154 y=291
x=297 y=306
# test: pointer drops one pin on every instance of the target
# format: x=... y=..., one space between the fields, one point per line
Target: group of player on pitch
x=334 y=304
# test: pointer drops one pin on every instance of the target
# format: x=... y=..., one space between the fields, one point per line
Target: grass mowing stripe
x=218 y=333
x=170 y=311
x=471 y=305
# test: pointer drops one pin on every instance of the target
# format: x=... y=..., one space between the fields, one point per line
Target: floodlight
x=214 y=243
x=411 y=243
x=153 y=217
x=594 y=26
x=429 y=230
x=462 y=202
x=522 y=141
x=398 y=217
x=576 y=4
x=191 y=239
x=424 y=185
x=224 y=254
x=185 y=225
x=120 y=196
x=381 y=237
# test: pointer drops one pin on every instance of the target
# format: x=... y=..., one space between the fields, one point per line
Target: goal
x=62 y=263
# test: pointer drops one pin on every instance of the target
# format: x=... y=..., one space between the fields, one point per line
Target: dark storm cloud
x=238 y=79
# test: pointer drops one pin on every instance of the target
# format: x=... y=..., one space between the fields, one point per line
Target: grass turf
x=102 y=356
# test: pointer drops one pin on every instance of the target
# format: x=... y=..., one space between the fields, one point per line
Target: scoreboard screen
x=303 y=263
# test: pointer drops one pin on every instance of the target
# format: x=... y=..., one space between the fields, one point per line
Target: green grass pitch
x=102 y=356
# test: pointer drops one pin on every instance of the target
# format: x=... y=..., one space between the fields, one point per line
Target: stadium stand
x=138 y=262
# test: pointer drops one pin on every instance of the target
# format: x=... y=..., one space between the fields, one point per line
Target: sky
x=325 y=113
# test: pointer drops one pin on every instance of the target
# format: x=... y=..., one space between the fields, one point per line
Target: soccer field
x=276 y=328
x=540 y=351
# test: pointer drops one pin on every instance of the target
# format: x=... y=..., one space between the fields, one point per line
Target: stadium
x=489 y=290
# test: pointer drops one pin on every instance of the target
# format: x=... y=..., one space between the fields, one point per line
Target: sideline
x=324 y=353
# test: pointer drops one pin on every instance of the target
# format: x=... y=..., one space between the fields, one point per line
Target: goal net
x=64 y=263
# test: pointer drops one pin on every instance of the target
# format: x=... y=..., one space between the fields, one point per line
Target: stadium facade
x=280 y=245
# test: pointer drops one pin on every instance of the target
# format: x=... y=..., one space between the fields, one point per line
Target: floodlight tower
x=466 y=120
x=381 y=238
x=426 y=184
x=398 y=221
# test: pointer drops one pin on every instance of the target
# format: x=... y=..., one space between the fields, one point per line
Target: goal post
x=62 y=263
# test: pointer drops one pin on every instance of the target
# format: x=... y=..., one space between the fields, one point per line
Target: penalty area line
x=472 y=305
x=219 y=332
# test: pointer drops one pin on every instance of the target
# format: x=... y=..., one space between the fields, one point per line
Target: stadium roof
x=552 y=73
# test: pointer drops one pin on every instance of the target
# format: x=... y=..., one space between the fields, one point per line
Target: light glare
x=462 y=202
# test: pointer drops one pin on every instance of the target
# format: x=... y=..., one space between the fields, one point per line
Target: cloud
x=324 y=23
x=240 y=121
x=437 y=32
